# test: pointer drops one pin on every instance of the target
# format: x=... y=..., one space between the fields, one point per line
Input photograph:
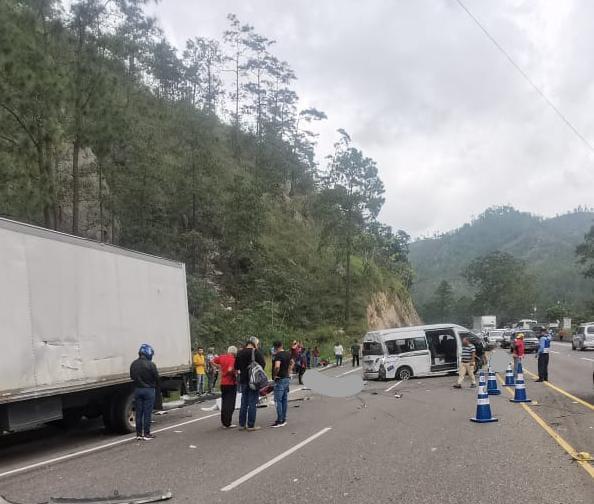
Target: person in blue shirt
x=544 y=348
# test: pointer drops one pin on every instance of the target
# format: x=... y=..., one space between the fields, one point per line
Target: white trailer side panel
x=74 y=312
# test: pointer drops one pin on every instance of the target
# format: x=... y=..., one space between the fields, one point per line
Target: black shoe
x=457 y=386
x=148 y=437
x=538 y=381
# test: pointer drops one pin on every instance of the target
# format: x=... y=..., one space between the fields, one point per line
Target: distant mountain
x=547 y=246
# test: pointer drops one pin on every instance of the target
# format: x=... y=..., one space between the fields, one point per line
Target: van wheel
x=404 y=373
x=572 y=345
x=123 y=413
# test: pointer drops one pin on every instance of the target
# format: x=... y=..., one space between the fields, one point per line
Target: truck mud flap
x=112 y=499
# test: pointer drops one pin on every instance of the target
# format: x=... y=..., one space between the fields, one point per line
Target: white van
x=412 y=351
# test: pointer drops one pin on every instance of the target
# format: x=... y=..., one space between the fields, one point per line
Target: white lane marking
x=97 y=448
x=393 y=386
x=347 y=372
x=586 y=358
x=273 y=461
x=554 y=351
x=296 y=390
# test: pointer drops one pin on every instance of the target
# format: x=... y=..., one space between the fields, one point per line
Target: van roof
x=409 y=329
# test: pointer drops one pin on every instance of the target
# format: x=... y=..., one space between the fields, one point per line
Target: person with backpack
x=250 y=365
x=300 y=364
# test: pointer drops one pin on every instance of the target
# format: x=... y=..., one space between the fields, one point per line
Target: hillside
x=108 y=131
x=547 y=246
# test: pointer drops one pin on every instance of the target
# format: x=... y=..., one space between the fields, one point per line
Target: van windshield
x=372 y=348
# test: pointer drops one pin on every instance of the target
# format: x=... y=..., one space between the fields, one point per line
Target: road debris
x=116 y=498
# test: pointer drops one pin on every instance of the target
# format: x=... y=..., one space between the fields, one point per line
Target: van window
x=396 y=347
x=591 y=329
x=372 y=348
x=420 y=344
x=581 y=330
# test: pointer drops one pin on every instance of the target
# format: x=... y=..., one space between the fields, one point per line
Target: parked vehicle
x=495 y=336
x=531 y=342
x=584 y=337
x=73 y=314
x=413 y=351
x=506 y=340
x=526 y=324
x=484 y=323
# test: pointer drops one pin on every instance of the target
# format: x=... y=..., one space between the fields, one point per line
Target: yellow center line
x=564 y=392
x=547 y=428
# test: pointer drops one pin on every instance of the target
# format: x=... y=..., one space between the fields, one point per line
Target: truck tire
x=123 y=418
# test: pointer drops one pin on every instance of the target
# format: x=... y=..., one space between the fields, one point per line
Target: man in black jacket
x=249 y=397
x=145 y=376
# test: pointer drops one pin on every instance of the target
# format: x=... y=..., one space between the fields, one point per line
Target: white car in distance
x=495 y=336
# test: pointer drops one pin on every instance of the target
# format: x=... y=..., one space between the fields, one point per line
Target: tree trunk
x=75 y=184
x=347 y=296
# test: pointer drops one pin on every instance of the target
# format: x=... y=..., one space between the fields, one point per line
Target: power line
x=526 y=77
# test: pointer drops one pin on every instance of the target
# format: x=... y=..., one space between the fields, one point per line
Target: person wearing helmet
x=145 y=376
x=518 y=350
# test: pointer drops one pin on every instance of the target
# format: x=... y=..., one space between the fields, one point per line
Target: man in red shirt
x=518 y=352
x=226 y=365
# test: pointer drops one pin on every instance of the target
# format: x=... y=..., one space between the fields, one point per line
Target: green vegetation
x=205 y=157
x=500 y=241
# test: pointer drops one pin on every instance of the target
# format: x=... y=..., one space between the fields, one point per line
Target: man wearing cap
x=518 y=352
x=145 y=376
x=544 y=348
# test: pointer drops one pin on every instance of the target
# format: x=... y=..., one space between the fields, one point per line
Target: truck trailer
x=484 y=323
x=73 y=314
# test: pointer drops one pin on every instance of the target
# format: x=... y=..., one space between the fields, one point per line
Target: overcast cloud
x=453 y=127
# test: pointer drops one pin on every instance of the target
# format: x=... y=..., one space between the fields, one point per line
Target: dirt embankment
x=390 y=310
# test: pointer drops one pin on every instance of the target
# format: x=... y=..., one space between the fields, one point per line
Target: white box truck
x=484 y=323
x=73 y=314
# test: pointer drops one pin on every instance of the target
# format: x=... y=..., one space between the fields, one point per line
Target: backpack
x=257 y=376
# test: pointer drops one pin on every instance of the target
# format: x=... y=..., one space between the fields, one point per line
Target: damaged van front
x=373 y=357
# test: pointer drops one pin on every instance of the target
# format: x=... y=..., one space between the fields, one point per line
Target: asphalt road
x=419 y=448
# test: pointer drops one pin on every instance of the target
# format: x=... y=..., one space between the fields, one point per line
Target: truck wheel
x=572 y=345
x=404 y=373
x=123 y=418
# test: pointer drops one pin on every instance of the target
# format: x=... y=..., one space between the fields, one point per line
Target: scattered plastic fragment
x=193 y=446
x=116 y=498
x=583 y=457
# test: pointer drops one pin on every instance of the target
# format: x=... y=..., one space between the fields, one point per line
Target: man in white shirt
x=338 y=351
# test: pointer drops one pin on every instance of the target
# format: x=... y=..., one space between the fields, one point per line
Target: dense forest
x=204 y=155
x=507 y=261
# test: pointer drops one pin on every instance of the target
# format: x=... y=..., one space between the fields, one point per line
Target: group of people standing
x=205 y=370
x=234 y=370
x=339 y=351
x=544 y=348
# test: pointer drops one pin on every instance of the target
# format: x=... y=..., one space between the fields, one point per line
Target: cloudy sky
x=453 y=127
